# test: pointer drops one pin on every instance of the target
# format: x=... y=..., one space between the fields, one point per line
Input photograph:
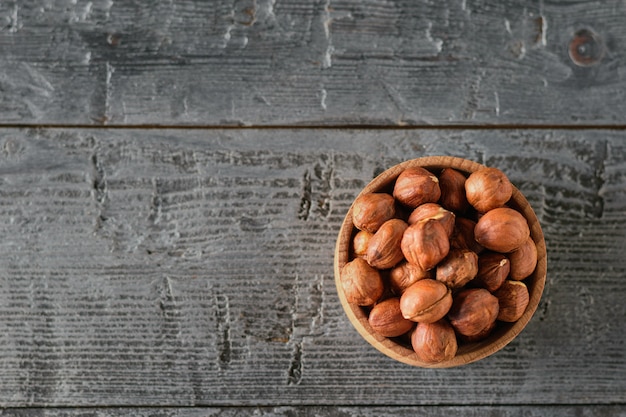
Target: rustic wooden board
x=316 y=411
x=262 y=62
x=194 y=267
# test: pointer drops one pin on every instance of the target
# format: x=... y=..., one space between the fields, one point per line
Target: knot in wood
x=586 y=48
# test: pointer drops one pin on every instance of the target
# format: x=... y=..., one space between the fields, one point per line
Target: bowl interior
x=468 y=352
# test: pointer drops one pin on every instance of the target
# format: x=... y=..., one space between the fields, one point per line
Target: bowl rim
x=468 y=353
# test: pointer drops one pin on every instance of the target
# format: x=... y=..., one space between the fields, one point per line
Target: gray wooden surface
x=181 y=268
x=173 y=177
x=315 y=411
x=302 y=62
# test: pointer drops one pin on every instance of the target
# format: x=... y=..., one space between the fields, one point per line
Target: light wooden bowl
x=470 y=352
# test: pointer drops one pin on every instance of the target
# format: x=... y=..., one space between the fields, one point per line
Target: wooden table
x=173 y=177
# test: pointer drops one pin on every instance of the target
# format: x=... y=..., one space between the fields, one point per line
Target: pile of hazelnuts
x=441 y=260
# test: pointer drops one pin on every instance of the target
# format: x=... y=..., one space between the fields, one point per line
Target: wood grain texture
x=262 y=62
x=191 y=267
x=319 y=411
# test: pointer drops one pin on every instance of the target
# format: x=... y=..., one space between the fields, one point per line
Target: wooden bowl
x=401 y=350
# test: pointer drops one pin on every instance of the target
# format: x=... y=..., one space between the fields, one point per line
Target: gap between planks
x=318 y=127
x=61 y=407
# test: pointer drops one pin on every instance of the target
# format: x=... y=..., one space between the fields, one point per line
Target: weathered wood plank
x=261 y=62
x=316 y=411
x=190 y=267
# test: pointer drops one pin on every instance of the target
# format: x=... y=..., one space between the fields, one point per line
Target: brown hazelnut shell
x=478 y=336
x=473 y=311
x=523 y=260
x=426 y=301
x=493 y=270
x=386 y=318
x=513 y=299
x=436 y=212
x=361 y=284
x=463 y=235
x=502 y=230
x=371 y=210
x=458 y=268
x=452 y=185
x=425 y=243
x=406 y=274
x=383 y=250
x=488 y=188
x=360 y=242
x=434 y=342
x=415 y=186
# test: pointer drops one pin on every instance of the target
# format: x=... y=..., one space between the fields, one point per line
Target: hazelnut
x=384 y=250
x=436 y=212
x=473 y=311
x=360 y=242
x=425 y=243
x=426 y=301
x=513 y=299
x=361 y=283
x=493 y=269
x=404 y=275
x=386 y=318
x=502 y=230
x=463 y=235
x=488 y=188
x=523 y=260
x=452 y=185
x=478 y=336
x=415 y=186
x=434 y=342
x=370 y=211
x=458 y=268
